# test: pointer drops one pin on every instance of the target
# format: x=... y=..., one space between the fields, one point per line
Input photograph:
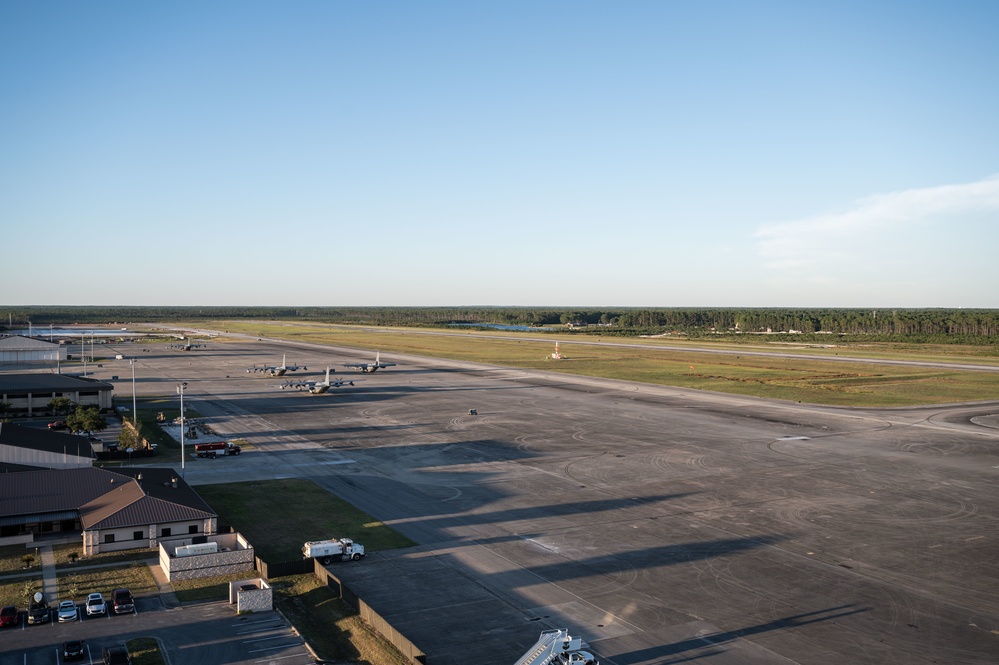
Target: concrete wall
x=253 y=595
x=235 y=555
x=412 y=652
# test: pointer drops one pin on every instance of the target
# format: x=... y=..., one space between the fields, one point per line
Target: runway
x=662 y=525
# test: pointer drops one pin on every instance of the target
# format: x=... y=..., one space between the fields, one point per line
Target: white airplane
x=370 y=367
x=317 y=387
x=277 y=370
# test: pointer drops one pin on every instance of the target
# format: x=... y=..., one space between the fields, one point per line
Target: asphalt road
x=662 y=525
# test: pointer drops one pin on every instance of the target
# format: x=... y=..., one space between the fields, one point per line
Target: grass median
x=279 y=516
x=686 y=364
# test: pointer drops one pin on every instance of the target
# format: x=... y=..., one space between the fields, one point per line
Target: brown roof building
x=124 y=509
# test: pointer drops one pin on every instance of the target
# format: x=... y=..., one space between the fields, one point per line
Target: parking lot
x=201 y=634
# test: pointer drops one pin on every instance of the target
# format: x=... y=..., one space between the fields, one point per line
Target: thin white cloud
x=850 y=237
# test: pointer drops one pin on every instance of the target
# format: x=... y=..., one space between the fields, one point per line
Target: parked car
x=95 y=604
x=9 y=616
x=58 y=424
x=67 y=611
x=121 y=601
x=72 y=649
x=116 y=655
x=38 y=609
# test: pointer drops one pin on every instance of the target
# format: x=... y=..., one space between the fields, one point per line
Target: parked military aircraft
x=370 y=367
x=277 y=370
x=186 y=345
x=317 y=387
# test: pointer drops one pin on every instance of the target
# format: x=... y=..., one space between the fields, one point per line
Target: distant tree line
x=967 y=325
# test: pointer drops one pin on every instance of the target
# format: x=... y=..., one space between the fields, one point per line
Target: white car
x=95 y=604
x=67 y=611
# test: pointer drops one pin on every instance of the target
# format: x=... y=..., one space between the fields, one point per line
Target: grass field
x=796 y=379
x=278 y=516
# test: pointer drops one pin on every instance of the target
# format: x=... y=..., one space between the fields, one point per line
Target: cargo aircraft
x=185 y=345
x=370 y=367
x=277 y=370
x=317 y=387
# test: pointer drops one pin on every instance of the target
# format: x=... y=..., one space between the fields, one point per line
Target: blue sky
x=743 y=154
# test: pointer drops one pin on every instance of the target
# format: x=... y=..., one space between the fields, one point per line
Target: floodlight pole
x=180 y=389
x=135 y=412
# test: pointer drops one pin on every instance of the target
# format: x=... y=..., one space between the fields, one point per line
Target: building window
x=165 y=533
x=108 y=538
x=193 y=528
x=137 y=535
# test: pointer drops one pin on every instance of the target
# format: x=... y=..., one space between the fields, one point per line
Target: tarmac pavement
x=661 y=525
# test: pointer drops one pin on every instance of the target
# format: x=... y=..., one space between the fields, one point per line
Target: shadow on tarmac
x=723 y=637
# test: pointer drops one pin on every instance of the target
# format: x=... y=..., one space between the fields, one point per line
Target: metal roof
x=103 y=498
x=48 y=383
x=24 y=343
x=45 y=440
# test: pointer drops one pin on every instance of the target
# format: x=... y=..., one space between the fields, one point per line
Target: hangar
x=31 y=447
x=21 y=350
x=29 y=394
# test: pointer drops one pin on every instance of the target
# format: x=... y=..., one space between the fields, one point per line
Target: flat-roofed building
x=29 y=394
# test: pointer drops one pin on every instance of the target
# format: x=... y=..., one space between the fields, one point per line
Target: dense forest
x=979 y=326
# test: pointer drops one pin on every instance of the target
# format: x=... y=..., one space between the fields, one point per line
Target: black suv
x=121 y=601
x=72 y=649
x=116 y=655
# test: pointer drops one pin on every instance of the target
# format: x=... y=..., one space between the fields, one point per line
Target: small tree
x=73 y=556
x=28 y=559
x=5 y=408
x=86 y=419
x=60 y=405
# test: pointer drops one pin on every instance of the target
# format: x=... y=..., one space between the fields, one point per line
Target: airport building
x=31 y=447
x=29 y=394
x=20 y=350
x=103 y=510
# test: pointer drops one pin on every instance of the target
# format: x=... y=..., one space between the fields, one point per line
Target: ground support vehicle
x=216 y=449
x=327 y=550
x=558 y=647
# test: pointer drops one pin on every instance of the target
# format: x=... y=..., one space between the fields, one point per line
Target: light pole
x=180 y=389
x=135 y=413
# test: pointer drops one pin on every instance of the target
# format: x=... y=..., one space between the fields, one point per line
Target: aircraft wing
x=298 y=384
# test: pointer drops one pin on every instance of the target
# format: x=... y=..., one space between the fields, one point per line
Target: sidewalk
x=50 y=579
x=48 y=571
x=167 y=595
